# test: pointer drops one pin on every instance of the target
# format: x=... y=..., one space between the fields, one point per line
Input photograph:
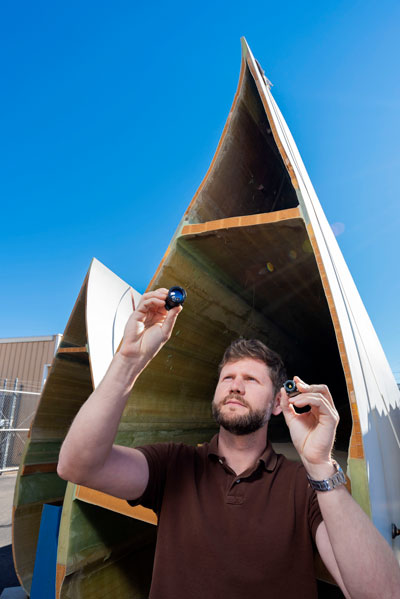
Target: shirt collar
x=268 y=456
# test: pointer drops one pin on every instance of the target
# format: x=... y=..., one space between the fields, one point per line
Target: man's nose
x=237 y=385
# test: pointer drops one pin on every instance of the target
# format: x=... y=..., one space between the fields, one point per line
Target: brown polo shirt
x=222 y=535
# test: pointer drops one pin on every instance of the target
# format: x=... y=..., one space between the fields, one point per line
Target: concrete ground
x=8 y=578
x=7 y=484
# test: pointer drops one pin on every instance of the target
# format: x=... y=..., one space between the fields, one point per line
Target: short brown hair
x=253 y=348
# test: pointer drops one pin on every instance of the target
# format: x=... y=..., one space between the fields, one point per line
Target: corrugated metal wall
x=24 y=358
x=22 y=363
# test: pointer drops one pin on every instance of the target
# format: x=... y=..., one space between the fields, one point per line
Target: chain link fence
x=18 y=403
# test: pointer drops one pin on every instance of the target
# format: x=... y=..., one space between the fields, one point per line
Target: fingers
x=151 y=310
x=153 y=300
x=317 y=402
x=160 y=293
x=317 y=388
x=317 y=397
x=287 y=409
x=149 y=327
x=170 y=320
x=305 y=388
x=157 y=293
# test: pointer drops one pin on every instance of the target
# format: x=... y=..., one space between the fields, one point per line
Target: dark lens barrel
x=176 y=296
x=290 y=387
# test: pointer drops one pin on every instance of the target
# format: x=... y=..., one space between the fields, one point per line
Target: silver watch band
x=329 y=484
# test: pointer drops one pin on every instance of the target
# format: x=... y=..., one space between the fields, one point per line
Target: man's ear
x=277 y=404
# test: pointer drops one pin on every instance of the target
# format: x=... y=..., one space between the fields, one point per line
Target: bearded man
x=234 y=518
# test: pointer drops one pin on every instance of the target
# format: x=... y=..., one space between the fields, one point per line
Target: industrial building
x=24 y=364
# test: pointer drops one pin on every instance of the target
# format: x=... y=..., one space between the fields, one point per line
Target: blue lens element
x=176 y=296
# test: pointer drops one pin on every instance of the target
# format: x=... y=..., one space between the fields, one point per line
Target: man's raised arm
x=352 y=548
x=88 y=456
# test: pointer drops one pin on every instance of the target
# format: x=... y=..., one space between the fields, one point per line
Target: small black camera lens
x=290 y=387
x=292 y=390
x=176 y=296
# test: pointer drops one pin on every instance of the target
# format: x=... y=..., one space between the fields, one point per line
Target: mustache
x=239 y=398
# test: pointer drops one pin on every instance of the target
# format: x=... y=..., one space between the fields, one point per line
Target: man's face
x=244 y=397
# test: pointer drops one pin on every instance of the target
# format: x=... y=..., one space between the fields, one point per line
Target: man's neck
x=241 y=451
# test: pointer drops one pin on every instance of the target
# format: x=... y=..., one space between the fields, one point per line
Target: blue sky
x=110 y=114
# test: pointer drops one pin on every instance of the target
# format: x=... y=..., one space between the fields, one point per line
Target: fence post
x=2 y=400
x=10 y=425
x=3 y=423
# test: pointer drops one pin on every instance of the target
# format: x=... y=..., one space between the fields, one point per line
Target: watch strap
x=328 y=484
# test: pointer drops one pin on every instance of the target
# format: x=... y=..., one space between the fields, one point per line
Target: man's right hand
x=148 y=328
x=88 y=456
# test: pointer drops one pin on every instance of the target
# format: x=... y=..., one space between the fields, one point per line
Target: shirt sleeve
x=158 y=458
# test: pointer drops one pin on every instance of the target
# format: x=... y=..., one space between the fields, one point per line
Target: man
x=235 y=519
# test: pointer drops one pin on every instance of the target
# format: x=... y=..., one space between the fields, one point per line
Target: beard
x=241 y=424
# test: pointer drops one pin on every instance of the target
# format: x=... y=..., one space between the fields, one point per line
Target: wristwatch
x=329 y=484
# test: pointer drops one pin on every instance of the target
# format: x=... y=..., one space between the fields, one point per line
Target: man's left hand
x=313 y=432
